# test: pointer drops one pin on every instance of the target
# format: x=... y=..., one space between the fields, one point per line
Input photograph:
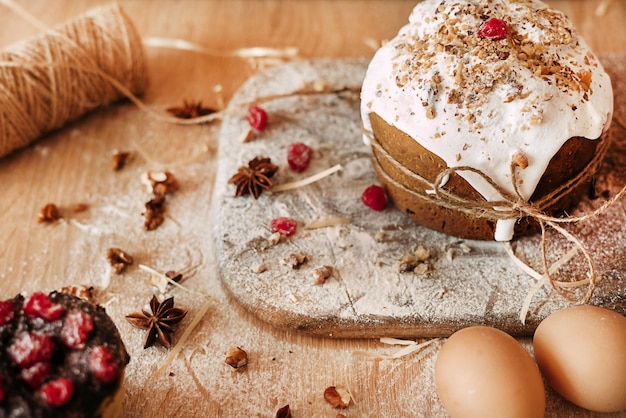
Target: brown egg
x=582 y=353
x=484 y=372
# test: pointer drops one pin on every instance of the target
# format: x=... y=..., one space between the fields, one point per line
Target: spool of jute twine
x=87 y=63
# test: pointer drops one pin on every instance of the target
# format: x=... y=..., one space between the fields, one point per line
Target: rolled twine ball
x=87 y=63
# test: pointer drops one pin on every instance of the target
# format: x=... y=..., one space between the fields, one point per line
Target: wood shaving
x=326 y=222
x=306 y=181
x=179 y=344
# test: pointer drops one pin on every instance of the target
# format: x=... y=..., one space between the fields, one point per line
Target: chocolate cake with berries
x=485 y=115
x=60 y=356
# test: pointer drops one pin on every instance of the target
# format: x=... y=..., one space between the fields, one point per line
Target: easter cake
x=60 y=356
x=482 y=114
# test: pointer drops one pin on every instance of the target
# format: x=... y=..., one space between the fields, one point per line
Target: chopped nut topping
x=119 y=259
x=337 y=396
x=236 y=357
x=296 y=260
x=320 y=274
x=519 y=160
x=48 y=214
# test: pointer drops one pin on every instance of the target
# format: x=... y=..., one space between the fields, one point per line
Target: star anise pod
x=189 y=110
x=254 y=178
x=159 y=322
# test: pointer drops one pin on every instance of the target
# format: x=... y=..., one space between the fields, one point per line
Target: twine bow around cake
x=511 y=206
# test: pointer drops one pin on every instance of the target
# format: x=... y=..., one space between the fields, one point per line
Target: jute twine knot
x=511 y=206
x=87 y=63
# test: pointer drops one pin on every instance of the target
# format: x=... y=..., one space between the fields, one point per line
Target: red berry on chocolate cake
x=59 y=356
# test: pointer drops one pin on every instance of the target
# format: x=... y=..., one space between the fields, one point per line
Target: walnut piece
x=337 y=396
x=236 y=357
x=49 y=214
x=81 y=291
x=119 y=259
x=296 y=260
x=416 y=262
x=320 y=274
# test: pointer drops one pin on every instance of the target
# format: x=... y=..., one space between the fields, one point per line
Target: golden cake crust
x=571 y=160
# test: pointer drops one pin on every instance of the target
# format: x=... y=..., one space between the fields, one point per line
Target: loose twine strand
x=512 y=206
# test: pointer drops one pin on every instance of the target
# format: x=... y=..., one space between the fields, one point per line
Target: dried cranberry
x=374 y=197
x=57 y=392
x=76 y=329
x=257 y=118
x=30 y=348
x=36 y=374
x=299 y=156
x=1 y=389
x=494 y=29
x=284 y=226
x=7 y=312
x=103 y=365
x=39 y=305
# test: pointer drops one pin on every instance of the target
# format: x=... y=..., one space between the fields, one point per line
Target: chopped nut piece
x=337 y=396
x=161 y=183
x=49 y=214
x=519 y=160
x=422 y=253
x=296 y=260
x=416 y=262
x=81 y=291
x=260 y=268
x=276 y=238
x=284 y=412
x=119 y=160
x=155 y=213
x=320 y=274
x=236 y=357
x=119 y=259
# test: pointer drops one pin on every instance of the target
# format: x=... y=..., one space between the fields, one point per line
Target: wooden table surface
x=72 y=166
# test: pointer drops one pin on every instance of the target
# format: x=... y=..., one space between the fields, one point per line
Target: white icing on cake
x=477 y=102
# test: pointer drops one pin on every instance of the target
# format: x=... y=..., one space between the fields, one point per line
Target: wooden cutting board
x=467 y=282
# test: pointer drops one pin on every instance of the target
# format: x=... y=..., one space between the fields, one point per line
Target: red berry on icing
x=284 y=226
x=103 y=365
x=7 y=312
x=374 y=197
x=30 y=348
x=76 y=329
x=57 y=392
x=494 y=29
x=299 y=156
x=257 y=118
x=36 y=374
x=39 y=305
